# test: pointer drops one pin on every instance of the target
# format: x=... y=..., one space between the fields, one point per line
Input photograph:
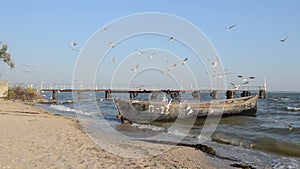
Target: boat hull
x=146 y=112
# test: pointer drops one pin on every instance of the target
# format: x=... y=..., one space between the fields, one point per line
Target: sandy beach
x=34 y=138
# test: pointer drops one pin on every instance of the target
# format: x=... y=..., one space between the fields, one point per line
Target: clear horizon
x=39 y=36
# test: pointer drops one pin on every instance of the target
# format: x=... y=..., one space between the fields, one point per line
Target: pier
x=134 y=91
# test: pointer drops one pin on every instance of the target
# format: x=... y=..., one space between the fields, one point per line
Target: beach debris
x=202 y=147
x=183 y=62
x=244 y=166
x=230 y=27
x=283 y=39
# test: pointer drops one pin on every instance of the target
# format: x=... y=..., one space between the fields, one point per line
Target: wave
x=281 y=147
x=68 y=109
x=293 y=108
x=63 y=108
x=231 y=141
x=148 y=126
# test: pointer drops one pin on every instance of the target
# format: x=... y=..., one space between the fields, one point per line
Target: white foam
x=293 y=108
x=63 y=108
x=148 y=126
x=68 y=109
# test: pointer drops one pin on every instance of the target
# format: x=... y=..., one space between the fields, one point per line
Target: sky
x=39 y=34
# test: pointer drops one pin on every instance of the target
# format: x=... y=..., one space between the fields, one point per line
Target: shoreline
x=35 y=138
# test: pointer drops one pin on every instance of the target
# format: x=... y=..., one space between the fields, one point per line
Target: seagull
x=246 y=78
x=111 y=44
x=73 y=45
x=236 y=86
x=152 y=55
x=166 y=72
x=139 y=52
x=215 y=64
x=220 y=74
x=230 y=27
x=183 y=62
x=171 y=39
x=104 y=29
x=171 y=66
x=290 y=128
x=136 y=68
x=113 y=59
x=283 y=40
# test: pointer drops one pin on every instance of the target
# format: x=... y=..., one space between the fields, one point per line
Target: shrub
x=22 y=94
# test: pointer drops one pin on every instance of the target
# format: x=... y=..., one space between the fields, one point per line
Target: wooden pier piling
x=54 y=97
x=107 y=94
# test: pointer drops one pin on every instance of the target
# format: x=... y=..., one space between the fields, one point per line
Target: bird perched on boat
x=283 y=40
x=230 y=27
x=183 y=62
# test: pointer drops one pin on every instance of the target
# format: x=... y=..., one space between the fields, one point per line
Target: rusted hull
x=145 y=112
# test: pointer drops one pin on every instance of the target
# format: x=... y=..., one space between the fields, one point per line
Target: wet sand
x=33 y=138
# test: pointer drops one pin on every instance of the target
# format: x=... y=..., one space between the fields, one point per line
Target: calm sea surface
x=265 y=141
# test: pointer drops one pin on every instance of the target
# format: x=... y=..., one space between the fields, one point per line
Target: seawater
x=264 y=140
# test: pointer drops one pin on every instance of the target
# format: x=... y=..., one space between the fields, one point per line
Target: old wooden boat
x=146 y=111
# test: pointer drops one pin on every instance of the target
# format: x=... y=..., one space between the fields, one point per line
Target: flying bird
x=113 y=59
x=151 y=55
x=139 y=52
x=171 y=66
x=111 y=44
x=246 y=78
x=104 y=29
x=220 y=74
x=283 y=40
x=73 y=45
x=183 y=62
x=136 y=68
x=236 y=86
x=215 y=63
x=230 y=27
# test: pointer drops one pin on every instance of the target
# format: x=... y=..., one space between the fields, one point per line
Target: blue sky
x=39 y=34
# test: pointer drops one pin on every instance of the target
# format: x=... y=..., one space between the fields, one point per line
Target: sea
x=270 y=139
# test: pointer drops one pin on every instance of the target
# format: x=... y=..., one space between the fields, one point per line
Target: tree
x=6 y=57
